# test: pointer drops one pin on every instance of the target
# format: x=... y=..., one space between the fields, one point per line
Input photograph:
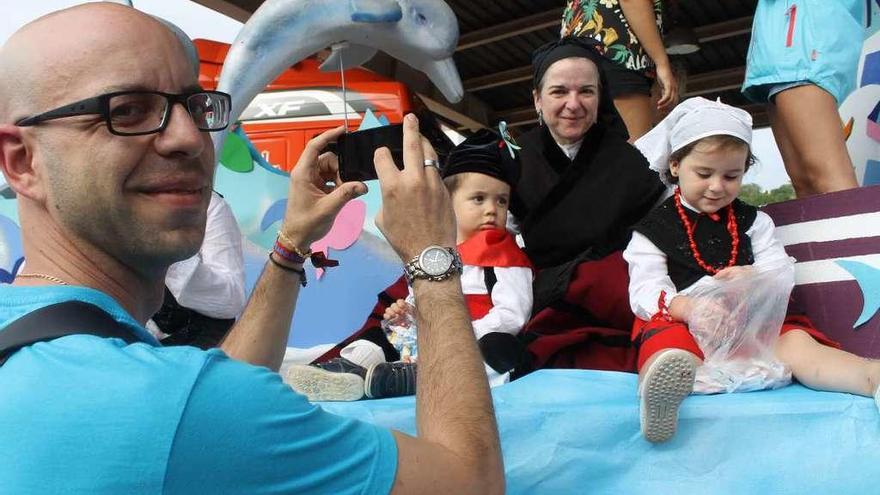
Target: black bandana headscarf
x=575 y=46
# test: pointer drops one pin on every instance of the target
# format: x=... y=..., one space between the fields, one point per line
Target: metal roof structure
x=498 y=37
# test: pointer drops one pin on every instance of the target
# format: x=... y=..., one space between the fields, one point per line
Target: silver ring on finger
x=432 y=163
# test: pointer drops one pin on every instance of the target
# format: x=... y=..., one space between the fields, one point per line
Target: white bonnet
x=693 y=119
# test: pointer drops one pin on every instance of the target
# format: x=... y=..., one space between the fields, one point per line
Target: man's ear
x=16 y=163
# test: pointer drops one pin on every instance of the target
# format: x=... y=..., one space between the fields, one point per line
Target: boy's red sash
x=490 y=248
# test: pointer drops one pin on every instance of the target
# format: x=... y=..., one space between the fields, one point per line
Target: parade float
x=562 y=431
x=568 y=431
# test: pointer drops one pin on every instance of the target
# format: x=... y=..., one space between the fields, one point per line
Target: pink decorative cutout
x=345 y=230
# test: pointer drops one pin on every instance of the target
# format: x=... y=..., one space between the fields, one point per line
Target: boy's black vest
x=665 y=229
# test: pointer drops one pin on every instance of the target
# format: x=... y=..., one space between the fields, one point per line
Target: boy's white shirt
x=511 y=298
x=511 y=304
x=648 y=273
x=511 y=307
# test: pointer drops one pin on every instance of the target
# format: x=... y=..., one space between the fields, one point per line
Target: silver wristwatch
x=436 y=263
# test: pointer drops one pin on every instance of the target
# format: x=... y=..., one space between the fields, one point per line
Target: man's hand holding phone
x=416 y=209
x=356 y=151
x=316 y=193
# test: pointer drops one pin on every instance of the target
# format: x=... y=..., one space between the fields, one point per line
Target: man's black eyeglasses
x=134 y=113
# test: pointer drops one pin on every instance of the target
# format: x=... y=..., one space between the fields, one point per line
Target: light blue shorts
x=774 y=89
x=797 y=41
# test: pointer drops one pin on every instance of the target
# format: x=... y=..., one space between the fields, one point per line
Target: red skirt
x=653 y=336
x=589 y=328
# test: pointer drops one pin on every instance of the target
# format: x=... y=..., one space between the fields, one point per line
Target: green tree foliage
x=755 y=196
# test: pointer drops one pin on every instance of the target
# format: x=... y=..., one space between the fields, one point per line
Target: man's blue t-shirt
x=82 y=414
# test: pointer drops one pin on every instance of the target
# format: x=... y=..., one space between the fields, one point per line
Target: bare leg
x=789 y=156
x=807 y=129
x=825 y=368
x=637 y=113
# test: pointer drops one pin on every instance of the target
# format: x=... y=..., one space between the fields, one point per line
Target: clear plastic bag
x=736 y=324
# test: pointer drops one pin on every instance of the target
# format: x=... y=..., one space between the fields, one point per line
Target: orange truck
x=304 y=101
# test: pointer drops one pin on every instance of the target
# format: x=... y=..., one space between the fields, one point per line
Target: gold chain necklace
x=50 y=278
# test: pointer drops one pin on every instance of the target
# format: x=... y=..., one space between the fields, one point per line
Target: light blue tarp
x=572 y=432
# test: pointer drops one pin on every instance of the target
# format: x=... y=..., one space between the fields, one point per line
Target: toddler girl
x=702 y=232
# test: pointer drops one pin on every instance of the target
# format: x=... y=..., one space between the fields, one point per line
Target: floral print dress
x=604 y=21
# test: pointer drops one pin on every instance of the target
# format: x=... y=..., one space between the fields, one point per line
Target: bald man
x=105 y=138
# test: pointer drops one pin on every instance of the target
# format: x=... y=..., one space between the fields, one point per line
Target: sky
x=197 y=21
x=201 y=22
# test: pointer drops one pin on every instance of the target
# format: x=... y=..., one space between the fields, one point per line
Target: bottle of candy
x=401 y=332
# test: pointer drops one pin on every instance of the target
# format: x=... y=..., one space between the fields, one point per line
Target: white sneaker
x=666 y=382
x=335 y=380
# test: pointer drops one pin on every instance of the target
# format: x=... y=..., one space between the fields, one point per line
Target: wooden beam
x=457 y=114
x=724 y=29
x=714 y=81
x=502 y=78
x=232 y=9
x=505 y=30
x=516 y=117
x=710 y=32
x=550 y=18
x=760 y=117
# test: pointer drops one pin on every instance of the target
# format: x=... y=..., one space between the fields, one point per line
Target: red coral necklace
x=689 y=228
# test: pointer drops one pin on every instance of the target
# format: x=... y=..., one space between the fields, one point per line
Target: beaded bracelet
x=294 y=255
x=287 y=254
x=287 y=243
x=299 y=271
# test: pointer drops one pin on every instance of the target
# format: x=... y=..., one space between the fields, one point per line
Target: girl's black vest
x=664 y=228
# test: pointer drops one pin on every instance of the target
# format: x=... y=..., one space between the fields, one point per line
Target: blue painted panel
x=872 y=173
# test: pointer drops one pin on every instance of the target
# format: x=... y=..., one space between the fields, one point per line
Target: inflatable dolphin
x=421 y=33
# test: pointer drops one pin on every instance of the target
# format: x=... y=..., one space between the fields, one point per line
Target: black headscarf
x=581 y=47
x=571 y=46
x=484 y=152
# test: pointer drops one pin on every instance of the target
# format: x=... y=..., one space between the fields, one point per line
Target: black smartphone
x=355 y=151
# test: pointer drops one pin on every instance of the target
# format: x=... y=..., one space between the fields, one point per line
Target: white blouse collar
x=571 y=150
x=688 y=205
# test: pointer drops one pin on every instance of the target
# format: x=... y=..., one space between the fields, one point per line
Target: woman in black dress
x=582 y=189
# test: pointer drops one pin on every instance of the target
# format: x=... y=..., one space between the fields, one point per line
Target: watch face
x=435 y=261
